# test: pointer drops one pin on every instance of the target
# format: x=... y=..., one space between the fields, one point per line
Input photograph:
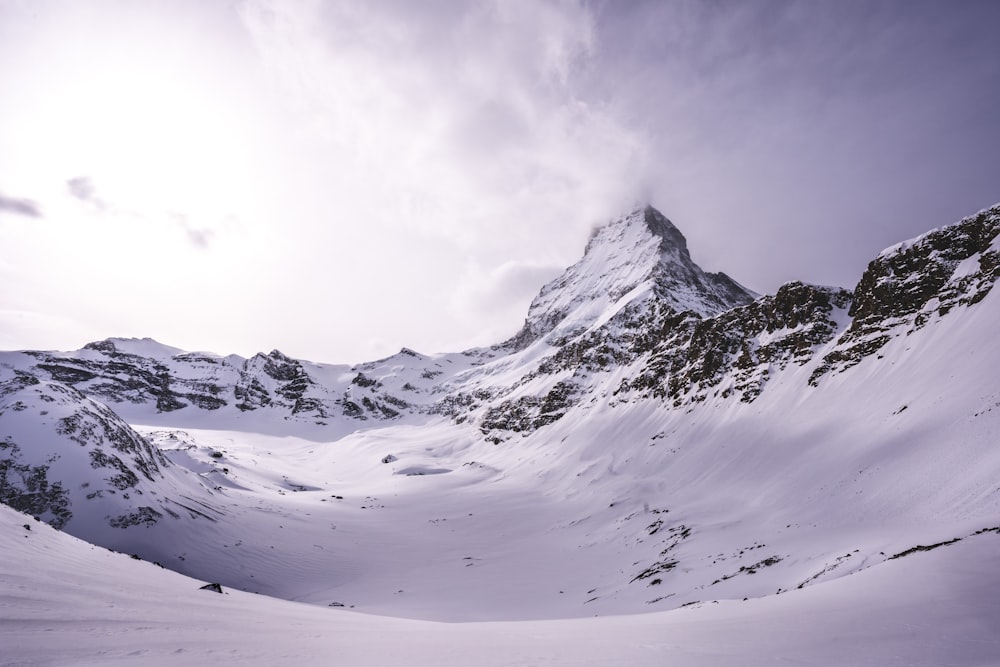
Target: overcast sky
x=340 y=179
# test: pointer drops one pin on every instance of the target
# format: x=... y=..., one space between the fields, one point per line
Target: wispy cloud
x=83 y=188
x=470 y=109
x=504 y=290
x=198 y=237
x=20 y=206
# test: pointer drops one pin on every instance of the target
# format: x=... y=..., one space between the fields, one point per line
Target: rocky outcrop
x=103 y=370
x=64 y=456
x=735 y=353
x=528 y=413
x=913 y=283
x=279 y=381
x=169 y=382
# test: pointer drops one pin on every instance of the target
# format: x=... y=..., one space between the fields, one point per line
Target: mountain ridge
x=585 y=328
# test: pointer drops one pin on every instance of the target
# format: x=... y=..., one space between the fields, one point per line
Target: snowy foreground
x=81 y=604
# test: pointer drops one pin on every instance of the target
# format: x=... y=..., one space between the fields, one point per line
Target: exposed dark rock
x=924 y=547
x=742 y=345
x=517 y=415
x=87 y=436
x=142 y=515
x=280 y=367
x=67 y=374
x=28 y=489
x=352 y=409
x=363 y=380
x=907 y=286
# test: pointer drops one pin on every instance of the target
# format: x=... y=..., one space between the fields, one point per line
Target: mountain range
x=655 y=438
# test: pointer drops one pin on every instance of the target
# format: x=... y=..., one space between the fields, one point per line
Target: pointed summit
x=659 y=225
x=677 y=275
x=638 y=257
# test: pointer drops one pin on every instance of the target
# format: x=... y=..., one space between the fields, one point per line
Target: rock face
x=277 y=380
x=737 y=351
x=169 y=380
x=911 y=284
x=66 y=458
x=109 y=370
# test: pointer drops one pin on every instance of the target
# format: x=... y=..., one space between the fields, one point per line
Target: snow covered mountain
x=638 y=262
x=654 y=436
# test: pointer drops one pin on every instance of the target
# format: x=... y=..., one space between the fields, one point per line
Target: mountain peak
x=143 y=347
x=636 y=257
x=644 y=216
x=660 y=226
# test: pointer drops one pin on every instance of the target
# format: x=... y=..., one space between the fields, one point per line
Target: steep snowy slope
x=653 y=438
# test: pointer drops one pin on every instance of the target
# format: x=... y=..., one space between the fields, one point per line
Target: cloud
x=83 y=188
x=198 y=237
x=816 y=133
x=506 y=290
x=25 y=207
x=22 y=329
x=470 y=109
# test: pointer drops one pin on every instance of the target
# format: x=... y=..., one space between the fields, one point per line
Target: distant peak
x=144 y=347
x=107 y=346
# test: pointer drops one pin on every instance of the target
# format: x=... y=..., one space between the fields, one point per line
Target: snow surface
x=82 y=605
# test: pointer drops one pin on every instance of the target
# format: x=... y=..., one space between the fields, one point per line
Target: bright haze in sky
x=340 y=179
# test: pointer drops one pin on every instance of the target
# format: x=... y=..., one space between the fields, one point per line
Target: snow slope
x=79 y=604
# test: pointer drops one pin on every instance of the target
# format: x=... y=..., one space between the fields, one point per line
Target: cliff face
x=911 y=284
